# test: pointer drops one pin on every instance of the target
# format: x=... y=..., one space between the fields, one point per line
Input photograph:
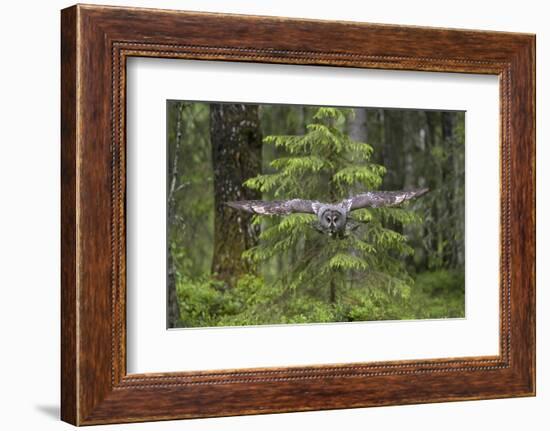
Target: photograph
x=298 y=214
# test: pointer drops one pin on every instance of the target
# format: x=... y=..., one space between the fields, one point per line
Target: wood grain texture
x=96 y=41
x=69 y=397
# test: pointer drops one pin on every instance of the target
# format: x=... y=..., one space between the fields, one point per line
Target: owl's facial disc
x=332 y=220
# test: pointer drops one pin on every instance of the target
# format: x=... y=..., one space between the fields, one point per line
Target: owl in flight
x=332 y=219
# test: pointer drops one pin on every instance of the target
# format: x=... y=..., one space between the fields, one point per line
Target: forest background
x=228 y=268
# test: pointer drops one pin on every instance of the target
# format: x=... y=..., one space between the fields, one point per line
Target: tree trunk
x=357 y=125
x=332 y=291
x=173 y=311
x=174 y=320
x=236 y=156
x=448 y=126
x=392 y=149
x=436 y=185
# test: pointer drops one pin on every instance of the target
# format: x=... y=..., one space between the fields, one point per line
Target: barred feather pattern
x=275 y=207
x=337 y=218
x=382 y=198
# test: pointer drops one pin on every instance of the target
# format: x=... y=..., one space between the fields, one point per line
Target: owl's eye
x=327 y=219
x=335 y=218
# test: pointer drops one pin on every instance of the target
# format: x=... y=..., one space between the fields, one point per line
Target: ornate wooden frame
x=95 y=43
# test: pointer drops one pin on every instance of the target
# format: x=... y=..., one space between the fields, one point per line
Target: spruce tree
x=319 y=278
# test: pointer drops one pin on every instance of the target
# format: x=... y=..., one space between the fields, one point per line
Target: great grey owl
x=332 y=219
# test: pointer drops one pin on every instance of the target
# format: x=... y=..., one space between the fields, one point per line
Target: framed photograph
x=263 y=214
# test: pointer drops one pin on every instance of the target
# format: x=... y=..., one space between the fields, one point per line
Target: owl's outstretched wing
x=276 y=207
x=382 y=199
